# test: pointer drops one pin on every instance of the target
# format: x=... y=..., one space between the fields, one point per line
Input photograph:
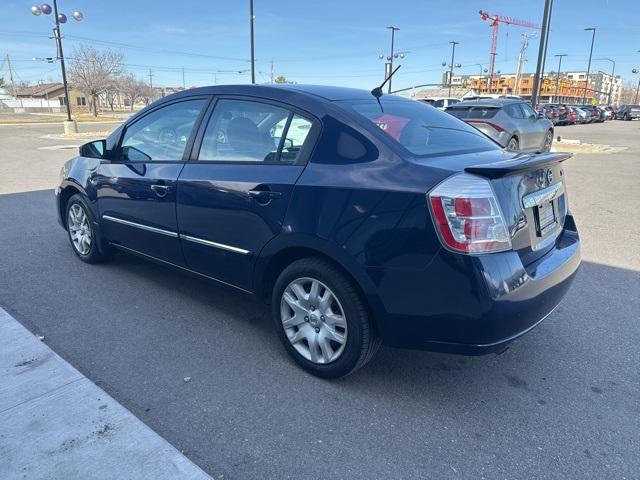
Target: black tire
x=513 y=144
x=93 y=253
x=361 y=340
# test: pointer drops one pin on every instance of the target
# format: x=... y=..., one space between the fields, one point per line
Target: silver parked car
x=510 y=122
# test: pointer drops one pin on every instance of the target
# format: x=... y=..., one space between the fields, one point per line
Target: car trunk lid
x=532 y=194
x=530 y=189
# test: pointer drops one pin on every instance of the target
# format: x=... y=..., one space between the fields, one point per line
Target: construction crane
x=496 y=20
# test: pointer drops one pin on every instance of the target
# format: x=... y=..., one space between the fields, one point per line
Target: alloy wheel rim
x=513 y=144
x=547 y=141
x=313 y=320
x=79 y=229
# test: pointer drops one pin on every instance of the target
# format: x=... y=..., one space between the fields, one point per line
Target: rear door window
x=528 y=111
x=250 y=131
x=513 y=111
x=420 y=129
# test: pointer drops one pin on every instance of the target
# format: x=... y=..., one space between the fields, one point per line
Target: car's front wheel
x=513 y=144
x=82 y=234
x=322 y=319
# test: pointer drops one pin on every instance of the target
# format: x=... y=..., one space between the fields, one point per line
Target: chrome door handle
x=161 y=190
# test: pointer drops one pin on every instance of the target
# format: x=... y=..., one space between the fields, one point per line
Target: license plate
x=546 y=218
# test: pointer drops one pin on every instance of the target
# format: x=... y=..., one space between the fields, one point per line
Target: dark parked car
x=562 y=114
x=548 y=112
x=584 y=113
x=628 y=112
x=361 y=220
x=572 y=116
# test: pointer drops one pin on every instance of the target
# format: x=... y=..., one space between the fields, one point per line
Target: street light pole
x=558 y=74
x=586 y=82
x=58 y=37
x=253 y=59
x=393 y=32
x=60 y=18
x=635 y=100
x=613 y=71
x=537 y=78
x=453 y=55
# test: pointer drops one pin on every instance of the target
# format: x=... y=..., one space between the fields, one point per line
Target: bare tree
x=134 y=90
x=2 y=82
x=628 y=92
x=92 y=72
x=112 y=93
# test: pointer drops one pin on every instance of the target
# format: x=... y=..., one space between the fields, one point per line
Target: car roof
x=488 y=102
x=325 y=92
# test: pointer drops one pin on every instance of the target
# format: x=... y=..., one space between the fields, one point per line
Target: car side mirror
x=96 y=149
x=541 y=115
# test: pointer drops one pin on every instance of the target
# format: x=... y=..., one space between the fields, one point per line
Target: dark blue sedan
x=361 y=220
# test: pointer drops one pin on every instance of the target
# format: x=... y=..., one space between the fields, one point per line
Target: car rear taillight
x=467 y=215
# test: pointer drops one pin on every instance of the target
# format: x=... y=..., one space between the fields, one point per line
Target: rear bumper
x=474 y=305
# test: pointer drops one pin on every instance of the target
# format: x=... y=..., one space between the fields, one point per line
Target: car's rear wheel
x=513 y=144
x=82 y=234
x=322 y=319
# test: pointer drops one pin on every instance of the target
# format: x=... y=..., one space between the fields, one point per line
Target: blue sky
x=316 y=41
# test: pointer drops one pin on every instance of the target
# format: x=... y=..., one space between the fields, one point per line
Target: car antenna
x=377 y=92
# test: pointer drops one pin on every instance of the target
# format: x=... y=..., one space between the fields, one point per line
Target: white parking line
x=55 y=423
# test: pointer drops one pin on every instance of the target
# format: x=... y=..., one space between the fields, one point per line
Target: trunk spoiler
x=519 y=163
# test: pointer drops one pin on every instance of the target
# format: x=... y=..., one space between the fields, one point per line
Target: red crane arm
x=511 y=21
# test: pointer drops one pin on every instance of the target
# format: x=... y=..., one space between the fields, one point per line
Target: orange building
x=569 y=91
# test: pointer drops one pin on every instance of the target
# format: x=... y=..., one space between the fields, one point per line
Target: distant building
x=570 y=90
x=51 y=95
x=603 y=84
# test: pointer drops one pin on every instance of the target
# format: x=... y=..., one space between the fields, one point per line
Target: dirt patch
x=585 y=148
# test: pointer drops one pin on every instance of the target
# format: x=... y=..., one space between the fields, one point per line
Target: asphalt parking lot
x=562 y=402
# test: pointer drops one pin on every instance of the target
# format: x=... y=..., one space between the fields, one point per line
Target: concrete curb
x=56 y=424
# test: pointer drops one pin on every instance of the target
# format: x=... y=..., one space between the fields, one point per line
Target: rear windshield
x=473 y=112
x=421 y=129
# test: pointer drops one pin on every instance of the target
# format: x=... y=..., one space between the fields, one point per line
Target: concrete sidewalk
x=56 y=424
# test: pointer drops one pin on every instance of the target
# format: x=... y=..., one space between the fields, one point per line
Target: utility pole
x=521 y=59
x=184 y=85
x=586 y=80
x=253 y=58
x=558 y=75
x=393 y=33
x=272 y=71
x=490 y=77
x=453 y=54
x=12 y=80
x=546 y=21
x=151 y=78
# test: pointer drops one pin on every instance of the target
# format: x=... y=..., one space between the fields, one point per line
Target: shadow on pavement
x=568 y=391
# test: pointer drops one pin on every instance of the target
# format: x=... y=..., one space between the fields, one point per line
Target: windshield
x=421 y=129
